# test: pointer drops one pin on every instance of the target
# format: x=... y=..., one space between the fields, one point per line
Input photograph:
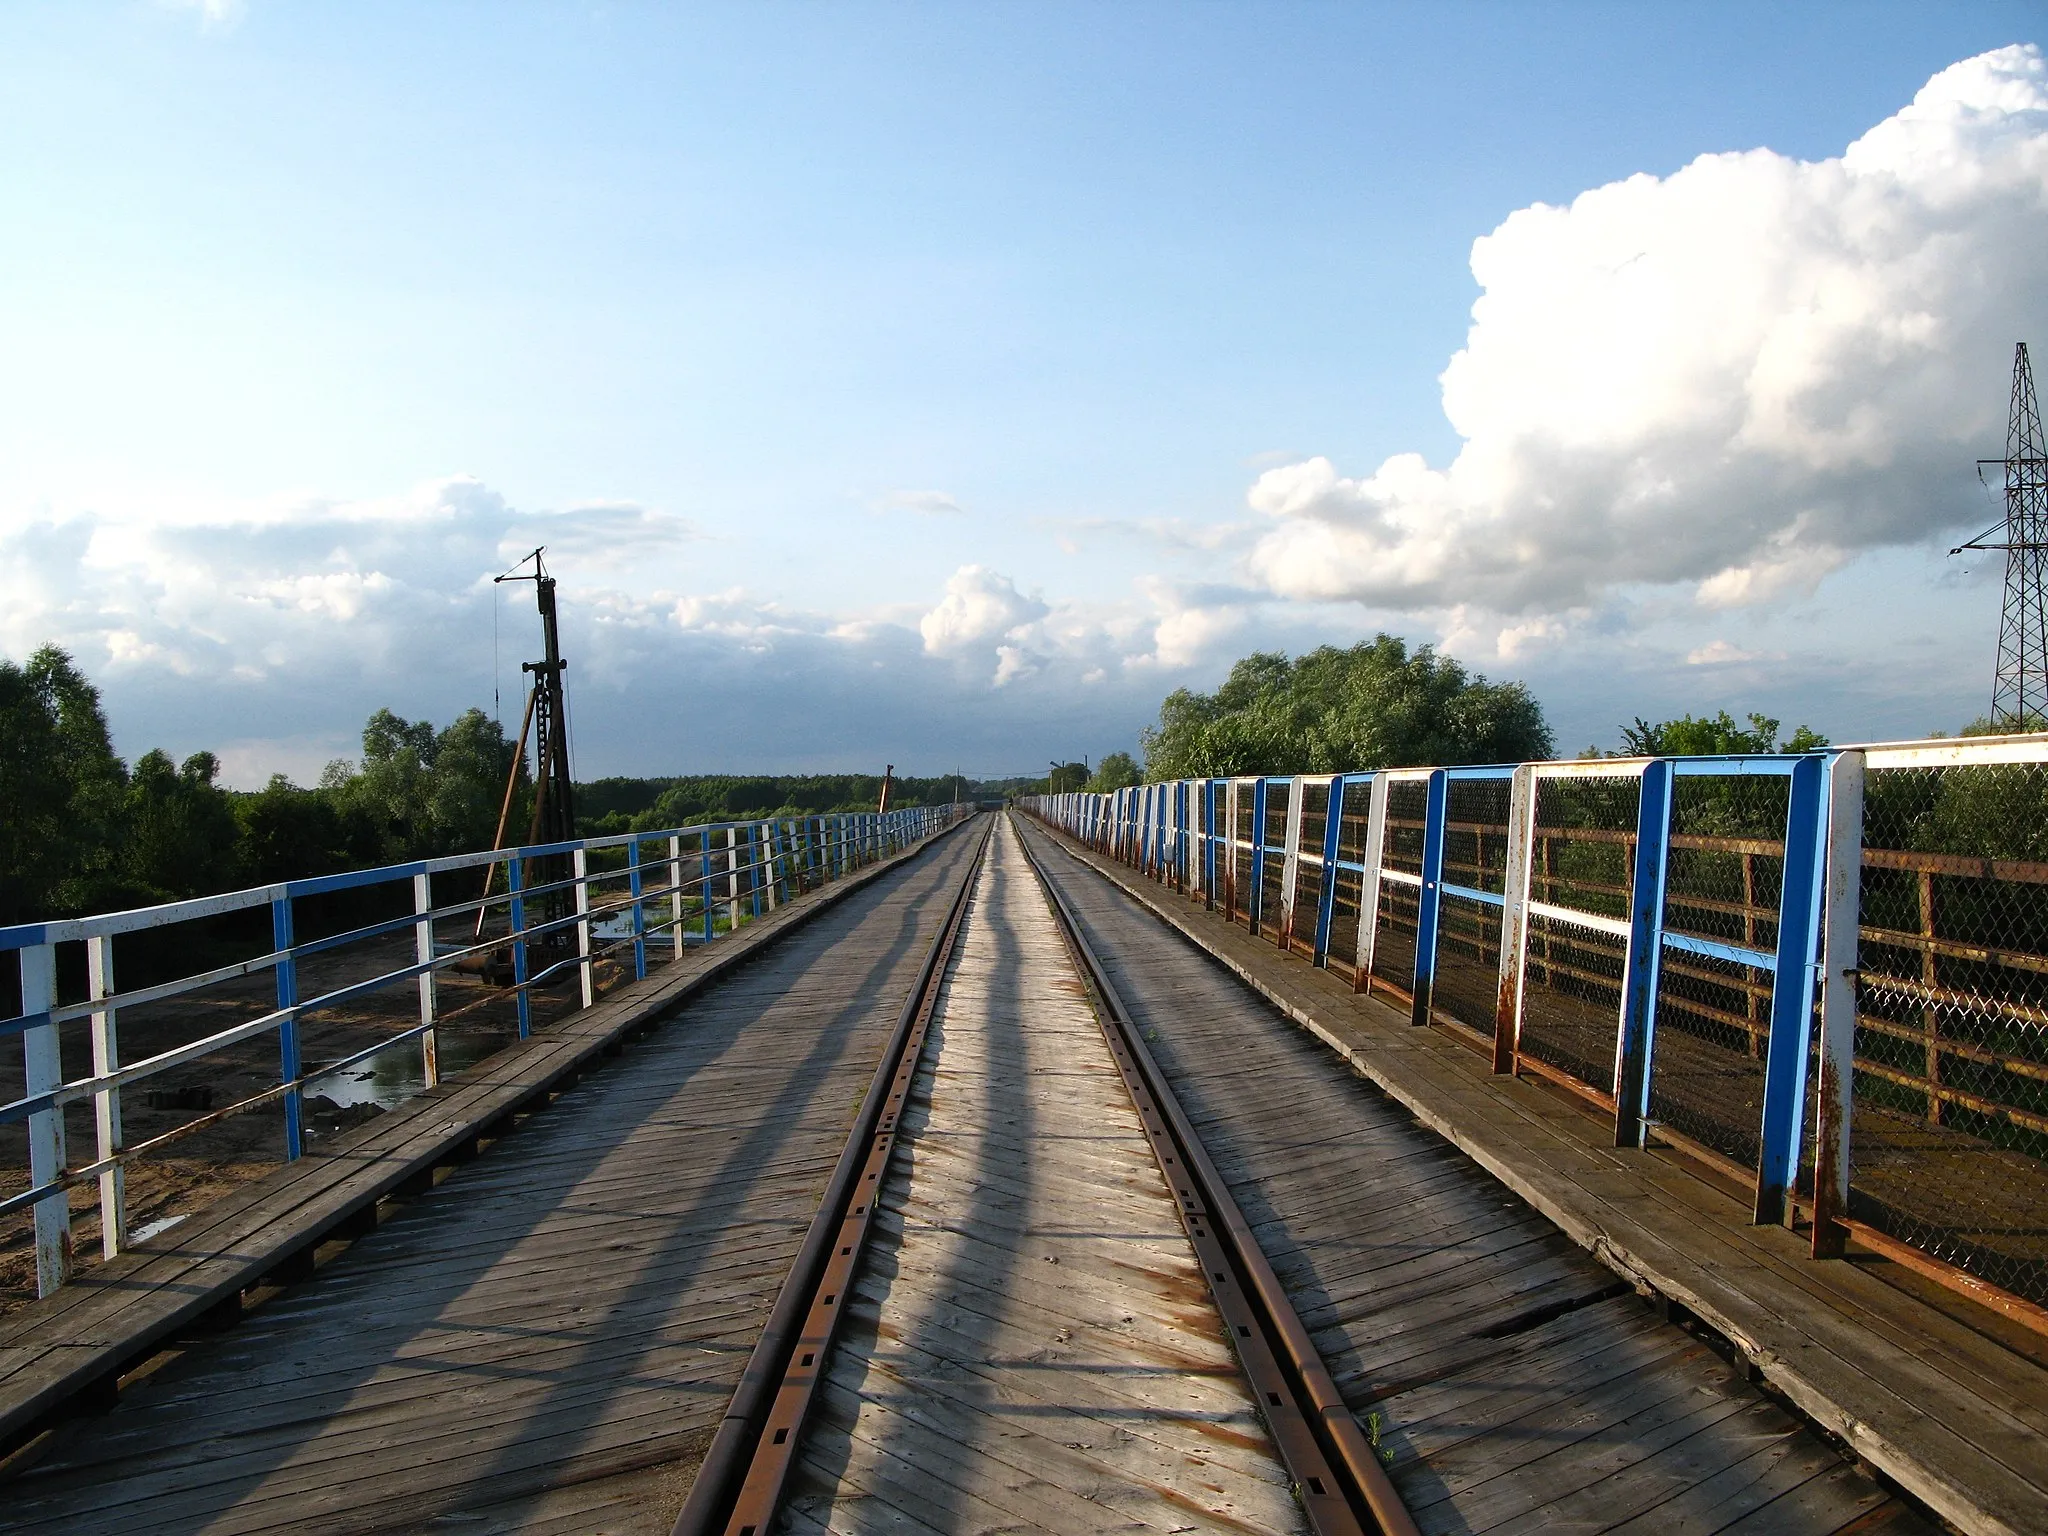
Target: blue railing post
x=515 y=882
x=639 y=910
x=1429 y=900
x=1645 y=959
x=288 y=1027
x=1799 y=917
x=1326 y=894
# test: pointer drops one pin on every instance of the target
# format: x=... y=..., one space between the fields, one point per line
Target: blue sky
x=944 y=384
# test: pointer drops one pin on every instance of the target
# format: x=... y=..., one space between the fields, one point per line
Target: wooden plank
x=462 y=1355
x=1408 y=1336
x=1033 y=1347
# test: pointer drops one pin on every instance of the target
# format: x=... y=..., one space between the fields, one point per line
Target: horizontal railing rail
x=1824 y=974
x=539 y=914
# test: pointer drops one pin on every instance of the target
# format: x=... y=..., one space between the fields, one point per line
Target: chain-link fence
x=1354 y=817
x=1400 y=896
x=1724 y=880
x=1949 y=1138
x=1305 y=904
x=1581 y=862
x=1467 y=989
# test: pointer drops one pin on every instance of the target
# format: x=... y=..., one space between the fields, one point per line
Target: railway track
x=1335 y=1474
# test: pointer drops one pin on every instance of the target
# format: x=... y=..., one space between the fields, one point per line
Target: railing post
x=43 y=1072
x=1326 y=892
x=423 y=954
x=1430 y=898
x=675 y=896
x=1514 y=917
x=579 y=864
x=635 y=887
x=515 y=883
x=1645 y=959
x=704 y=886
x=1799 y=917
x=1290 y=860
x=106 y=1104
x=1371 y=857
x=1209 y=787
x=288 y=1026
x=1838 y=1004
x=1255 y=898
x=1231 y=790
x=732 y=876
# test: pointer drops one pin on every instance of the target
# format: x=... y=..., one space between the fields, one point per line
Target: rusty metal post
x=1514 y=918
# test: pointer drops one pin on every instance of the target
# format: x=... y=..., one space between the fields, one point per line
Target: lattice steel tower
x=2020 y=695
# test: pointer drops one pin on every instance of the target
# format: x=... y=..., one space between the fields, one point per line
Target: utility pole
x=2019 y=696
x=888 y=778
x=554 y=805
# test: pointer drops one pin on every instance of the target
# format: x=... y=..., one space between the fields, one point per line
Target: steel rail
x=1337 y=1475
x=741 y=1479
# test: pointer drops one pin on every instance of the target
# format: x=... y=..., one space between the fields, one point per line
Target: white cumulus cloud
x=1737 y=377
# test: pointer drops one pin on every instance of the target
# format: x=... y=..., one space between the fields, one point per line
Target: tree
x=1374 y=705
x=1116 y=771
x=61 y=790
x=1714 y=736
x=181 y=827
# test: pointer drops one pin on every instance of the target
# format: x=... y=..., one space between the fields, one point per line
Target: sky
x=943 y=385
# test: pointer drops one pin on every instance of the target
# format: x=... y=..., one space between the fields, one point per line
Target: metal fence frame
x=747 y=868
x=1188 y=834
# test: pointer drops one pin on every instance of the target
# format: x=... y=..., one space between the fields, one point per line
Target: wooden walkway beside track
x=545 y=1339
x=1032 y=1347
x=1518 y=1383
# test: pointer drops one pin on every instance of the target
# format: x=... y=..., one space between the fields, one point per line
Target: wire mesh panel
x=1949 y=1139
x=1393 y=951
x=1467 y=989
x=1278 y=793
x=1352 y=818
x=1245 y=831
x=1581 y=865
x=1723 y=883
x=1308 y=871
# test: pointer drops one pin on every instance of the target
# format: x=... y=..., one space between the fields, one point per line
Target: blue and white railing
x=619 y=895
x=1653 y=935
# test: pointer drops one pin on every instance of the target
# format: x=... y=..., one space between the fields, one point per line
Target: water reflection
x=391 y=1077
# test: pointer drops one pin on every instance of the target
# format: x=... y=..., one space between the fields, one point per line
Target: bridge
x=1629 y=1145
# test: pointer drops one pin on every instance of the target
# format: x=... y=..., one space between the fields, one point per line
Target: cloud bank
x=1737 y=377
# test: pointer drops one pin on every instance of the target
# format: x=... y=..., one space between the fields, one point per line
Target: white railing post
x=1290 y=858
x=732 y=876
x=1514 y=917
x=580 y=863
x=1369 y=881
x=423 y=954
x=675 y=896
x=1838 y=1003
x=106 y=1103
x=43 y=1071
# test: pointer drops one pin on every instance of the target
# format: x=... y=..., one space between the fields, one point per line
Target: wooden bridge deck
x=1032 y=1348
x=1517 y=1382
x=544 y=1339
x=1949 y=1401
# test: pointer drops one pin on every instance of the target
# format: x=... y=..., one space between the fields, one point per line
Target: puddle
x=391 y=1077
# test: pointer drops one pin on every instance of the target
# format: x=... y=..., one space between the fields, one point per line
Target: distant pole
x=2019 y=696
x=888 y=778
